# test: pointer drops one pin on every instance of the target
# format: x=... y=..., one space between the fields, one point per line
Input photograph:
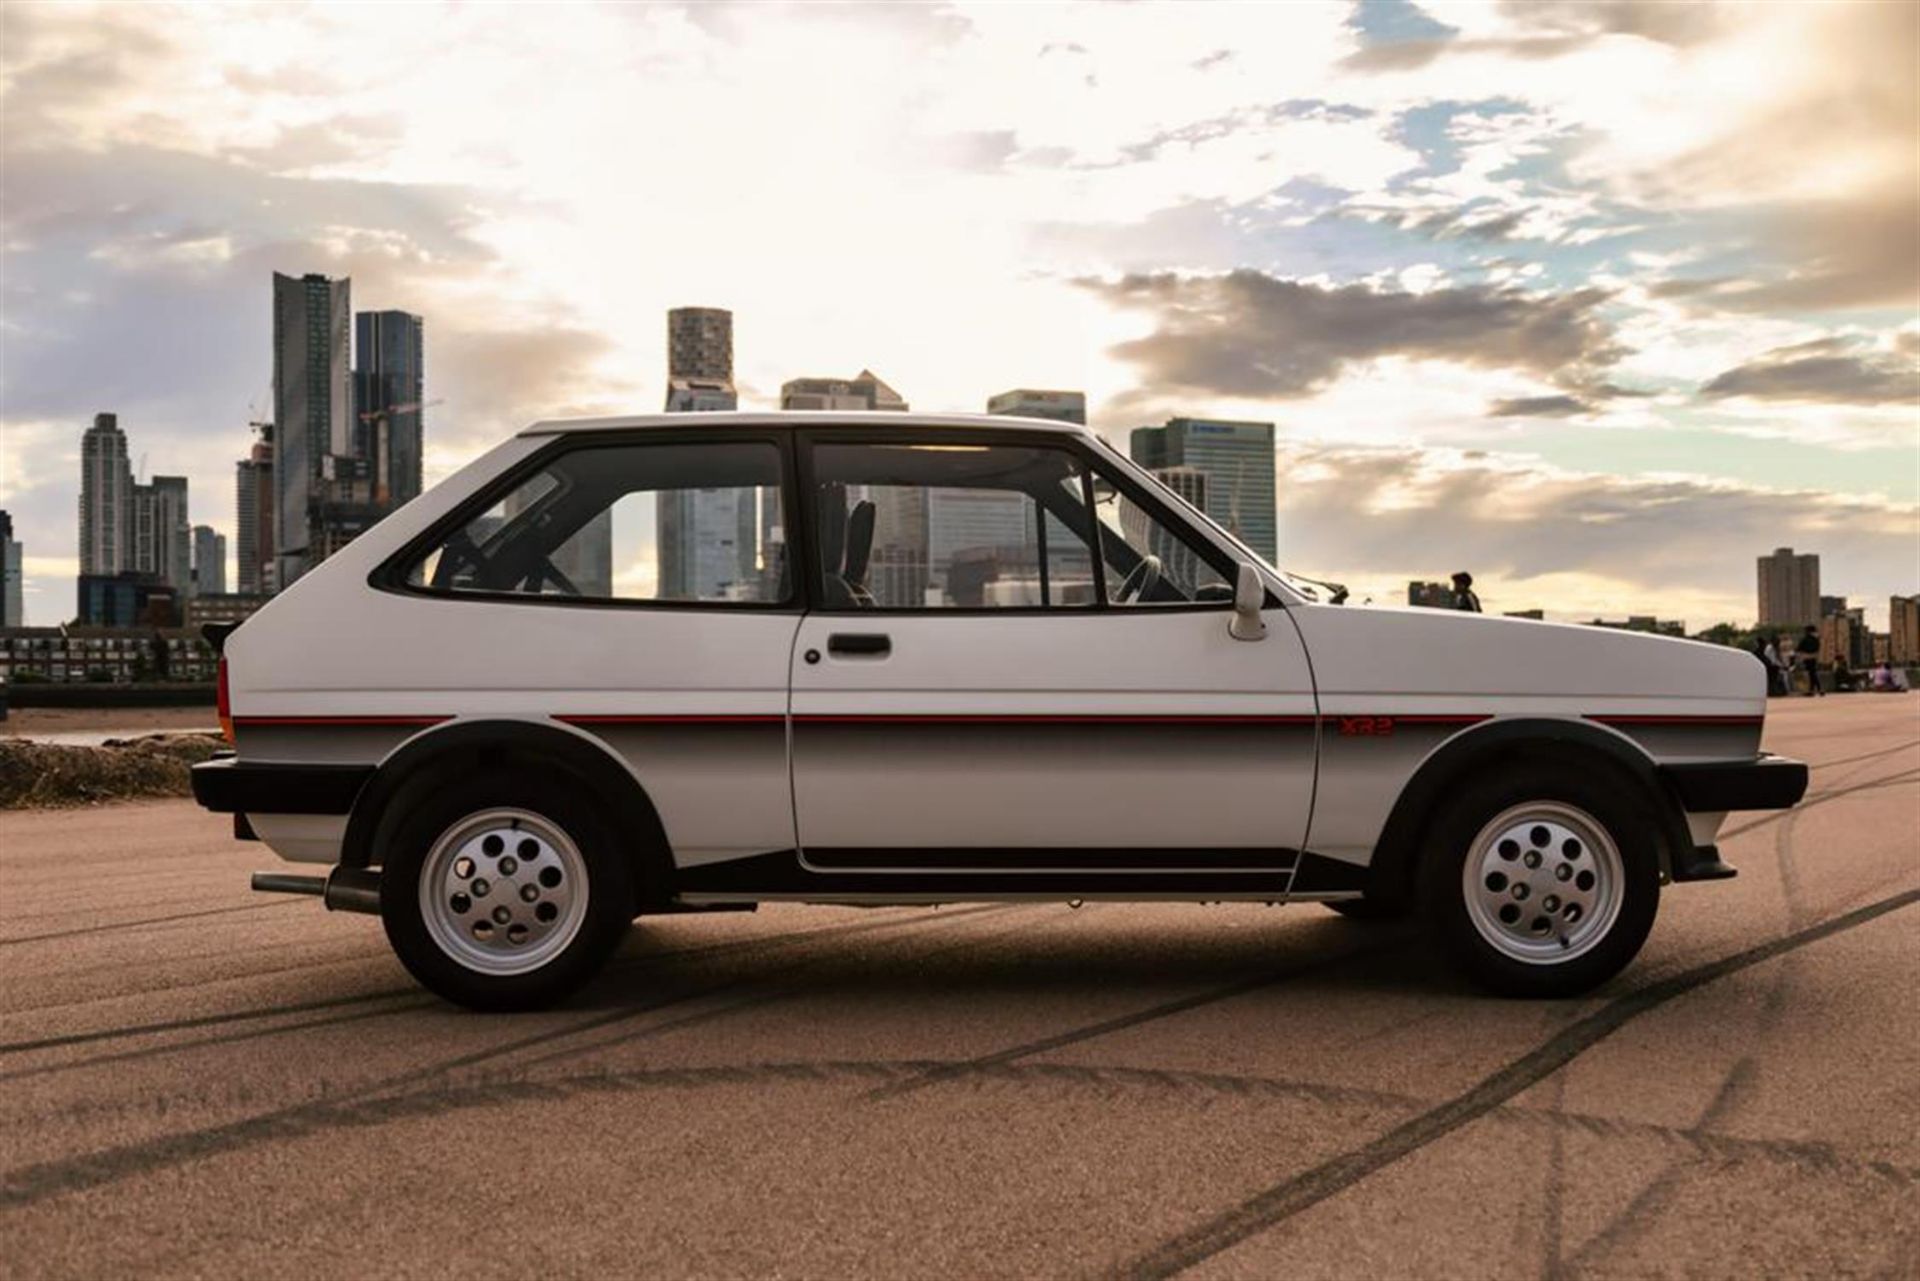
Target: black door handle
x=871 y=644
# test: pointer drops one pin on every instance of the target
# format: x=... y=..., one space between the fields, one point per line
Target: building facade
x=106 y=498
x=312 y=408
x=1237 y=459
x=64 y=655
x=389 y=392
x=12 y=581
x=1789 y=588
x=1026 y=402
x=700 y=360
x=127 y=599
x=864 y=391
x=255 y=571
x=209 y=561
x=1903 y=630
x=162 y=532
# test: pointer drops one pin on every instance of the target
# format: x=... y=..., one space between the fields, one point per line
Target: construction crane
x=377 y=419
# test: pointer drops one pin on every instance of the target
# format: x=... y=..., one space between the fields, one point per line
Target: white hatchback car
x=699 y=662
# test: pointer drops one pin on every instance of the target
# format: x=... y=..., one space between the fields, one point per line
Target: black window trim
x=1090 y=461
x=391 y=574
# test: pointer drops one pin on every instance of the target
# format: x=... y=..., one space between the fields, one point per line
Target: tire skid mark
x=35 y=1183
x=618 y=964
x=112 y=1165
x=1124 y=1022
x=1821 y=798
x=1657 y=1195
x=144 y=923
x=788 y=987
x=1289 y=1197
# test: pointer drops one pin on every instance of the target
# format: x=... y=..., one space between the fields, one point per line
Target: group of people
x=1805 y=658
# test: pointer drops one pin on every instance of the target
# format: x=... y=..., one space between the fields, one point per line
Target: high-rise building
x=162 y=534
x=1789 y=588
x=312 y=409
x=1844 y=637
x=254 y=518
x=1237 y=460
x=1903 y=629
x=106 y=498
x=12 y=609
x=389 y=390
x=1025 y=402
x=866 y=391
x=209 y=561
x=700 y=360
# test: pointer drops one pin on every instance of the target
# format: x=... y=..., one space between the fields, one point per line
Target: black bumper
x=1763 y=783
x=226 y=785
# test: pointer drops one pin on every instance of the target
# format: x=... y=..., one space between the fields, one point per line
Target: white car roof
x=799 y=418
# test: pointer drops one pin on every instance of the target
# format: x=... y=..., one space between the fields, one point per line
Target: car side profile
x=628 y=666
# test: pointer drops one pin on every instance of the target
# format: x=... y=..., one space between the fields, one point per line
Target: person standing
x=1463 y=596
x=1808 y=652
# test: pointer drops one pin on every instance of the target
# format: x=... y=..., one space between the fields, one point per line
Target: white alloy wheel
x=1544 y=882
x=503 y=891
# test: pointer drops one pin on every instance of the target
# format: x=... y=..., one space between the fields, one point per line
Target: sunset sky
x=1599 y=300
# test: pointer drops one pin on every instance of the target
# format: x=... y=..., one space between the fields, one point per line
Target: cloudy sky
x=1599 y=299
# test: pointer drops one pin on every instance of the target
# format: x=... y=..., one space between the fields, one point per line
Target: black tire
x=1615 y=809
x=1371 y=909
x=434 y=806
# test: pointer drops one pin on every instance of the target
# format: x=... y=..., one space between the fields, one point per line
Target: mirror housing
x=1249 y=594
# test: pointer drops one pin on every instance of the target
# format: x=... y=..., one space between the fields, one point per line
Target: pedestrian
x=1768 y=652
x=1807 y=650
x=1463 y=597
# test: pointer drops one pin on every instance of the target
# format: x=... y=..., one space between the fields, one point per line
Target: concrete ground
x=200 y=1081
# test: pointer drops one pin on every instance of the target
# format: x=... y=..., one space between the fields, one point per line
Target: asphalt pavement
x=200 y=1081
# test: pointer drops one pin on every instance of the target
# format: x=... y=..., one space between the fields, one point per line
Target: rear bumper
x=226 y=785
x=1764 y=783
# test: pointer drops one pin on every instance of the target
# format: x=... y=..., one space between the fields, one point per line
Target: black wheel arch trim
x=1397 y=852
x=482 y=742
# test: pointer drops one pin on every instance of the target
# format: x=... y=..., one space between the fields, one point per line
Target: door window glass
x=668 y=522
x=1147 y=560
x=952 y=527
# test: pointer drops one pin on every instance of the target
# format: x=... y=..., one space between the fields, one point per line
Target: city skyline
x=1525 y=289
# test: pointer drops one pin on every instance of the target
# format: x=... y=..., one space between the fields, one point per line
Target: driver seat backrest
x=853 y=571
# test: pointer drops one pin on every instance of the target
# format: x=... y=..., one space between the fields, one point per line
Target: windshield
x=1311 y=589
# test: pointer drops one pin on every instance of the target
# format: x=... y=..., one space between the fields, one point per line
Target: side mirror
x=1249 y=594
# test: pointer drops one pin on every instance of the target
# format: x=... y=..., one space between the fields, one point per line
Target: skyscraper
x=700 y=360
x=1237 y=460
x=12 y=611
x=312 y=408
x=209 y=561
x=1024 y=402
x=254 y=517
x=106 y=498
x=162 y=537
x=1789 y=588
x=389 y=385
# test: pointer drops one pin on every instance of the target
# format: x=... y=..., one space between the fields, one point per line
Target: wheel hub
x=1543 y=882
x=503 y=891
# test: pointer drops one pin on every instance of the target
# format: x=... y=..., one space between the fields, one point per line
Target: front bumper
x=1766 y=782
x=226 y=785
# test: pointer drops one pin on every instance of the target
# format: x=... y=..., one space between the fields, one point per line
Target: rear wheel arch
x=473 y=745
x=1534 y=741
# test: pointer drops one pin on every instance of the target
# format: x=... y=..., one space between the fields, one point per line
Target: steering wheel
x=1141 y=579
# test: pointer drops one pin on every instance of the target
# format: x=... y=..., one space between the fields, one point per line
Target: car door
x=989 y=686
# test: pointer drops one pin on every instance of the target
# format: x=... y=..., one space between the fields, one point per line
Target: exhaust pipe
x=344 y=889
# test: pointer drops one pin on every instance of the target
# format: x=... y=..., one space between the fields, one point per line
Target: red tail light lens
x=223 y=704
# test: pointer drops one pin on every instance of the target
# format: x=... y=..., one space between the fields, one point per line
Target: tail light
x=223 y=703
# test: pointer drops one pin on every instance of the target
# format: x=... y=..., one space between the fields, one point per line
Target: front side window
x=670 y=522
x=936 y=526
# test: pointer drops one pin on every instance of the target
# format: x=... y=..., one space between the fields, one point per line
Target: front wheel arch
x=473 y=745
x=1507 y=743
